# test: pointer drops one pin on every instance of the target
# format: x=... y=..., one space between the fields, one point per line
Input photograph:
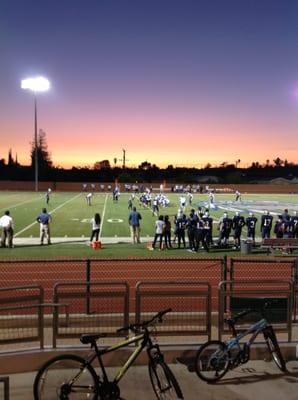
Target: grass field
x=70 y=228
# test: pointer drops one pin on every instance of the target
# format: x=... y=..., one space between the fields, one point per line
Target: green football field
x=71 y=228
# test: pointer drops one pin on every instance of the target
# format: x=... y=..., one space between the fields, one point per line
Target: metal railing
x=230 y=291
x=92 y=306
x=5 y=381
x=104 y=306
x=190 y=302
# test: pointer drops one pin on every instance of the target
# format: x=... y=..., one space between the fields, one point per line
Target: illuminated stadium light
x=39 y=84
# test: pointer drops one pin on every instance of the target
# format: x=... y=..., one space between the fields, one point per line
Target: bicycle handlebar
x=232 y=321
x=143 y=325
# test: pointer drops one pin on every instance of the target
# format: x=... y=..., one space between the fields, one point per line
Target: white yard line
x=20 y=204
x=55 y=209
x=103 y=215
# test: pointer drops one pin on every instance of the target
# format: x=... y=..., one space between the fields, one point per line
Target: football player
x=238 y=195
x=224 y=226
x=208 y=225
x=180 y=225
x=251 y=223
x=191 y=229
x=294 y=220
x=266 y=225
x=237 y=225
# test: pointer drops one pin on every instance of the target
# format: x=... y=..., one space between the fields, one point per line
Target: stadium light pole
x=38 y=84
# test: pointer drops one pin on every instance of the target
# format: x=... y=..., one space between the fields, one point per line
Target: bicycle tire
x=212 y=361
x=274 y=350
x=163 y=381
x=55 y=374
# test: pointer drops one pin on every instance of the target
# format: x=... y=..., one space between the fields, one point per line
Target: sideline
x=103 y=215
x=55 y=209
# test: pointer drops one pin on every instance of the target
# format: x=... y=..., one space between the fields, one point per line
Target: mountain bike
x=215 y=358
x=67 y=377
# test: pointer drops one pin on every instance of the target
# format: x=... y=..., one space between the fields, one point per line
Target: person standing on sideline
x=279 y=228
x=224 y=226
x=44 y=220
x=95 y=222
x=167 y=232
x=192 y=221
x=159 y=230
x=238 y=223
x=208 y=228
x=266 y=225
x=251 y=223
x=180 y=226
x=6 y=222
x=88 y=198
x=134 y=223
x=294 y=220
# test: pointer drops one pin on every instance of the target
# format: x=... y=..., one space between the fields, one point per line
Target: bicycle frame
x=144 y=338
x=255 y=329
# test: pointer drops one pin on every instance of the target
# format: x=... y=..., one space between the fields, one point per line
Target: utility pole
x=123 y=159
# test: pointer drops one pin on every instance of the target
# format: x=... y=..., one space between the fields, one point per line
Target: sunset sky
x=173 y=82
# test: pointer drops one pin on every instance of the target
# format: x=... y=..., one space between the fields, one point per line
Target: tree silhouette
x=44 y=161
x=10 y=159
x=145 y=165
x=278 y=162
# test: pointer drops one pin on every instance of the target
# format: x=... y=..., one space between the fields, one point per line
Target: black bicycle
x=69 y=377
x=215 y=358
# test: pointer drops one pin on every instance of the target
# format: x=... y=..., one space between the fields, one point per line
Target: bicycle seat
x=91 y=337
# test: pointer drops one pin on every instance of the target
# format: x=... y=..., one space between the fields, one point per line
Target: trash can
x=245 y=247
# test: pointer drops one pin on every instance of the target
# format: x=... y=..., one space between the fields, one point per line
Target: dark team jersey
x=288 y=227
x=294 y=221
x=192 y=221
x=266 y=221
x=200 y=225
x=180 y=223
x=238 y=222
x=208 y=221
x=251 y=222
x=226 y=224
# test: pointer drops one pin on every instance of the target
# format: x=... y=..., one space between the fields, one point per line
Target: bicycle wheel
x=65 y=378
x=274 y=349
x=163 y=381
x=212 y=361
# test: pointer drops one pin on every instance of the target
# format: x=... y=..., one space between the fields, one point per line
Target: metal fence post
x=225 y=278
x=88 y=289
x=5 y=380
x=225 y=269
x=295 y=288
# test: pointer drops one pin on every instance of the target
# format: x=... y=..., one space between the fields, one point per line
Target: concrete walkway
x=256 y=380
x=31 y=241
